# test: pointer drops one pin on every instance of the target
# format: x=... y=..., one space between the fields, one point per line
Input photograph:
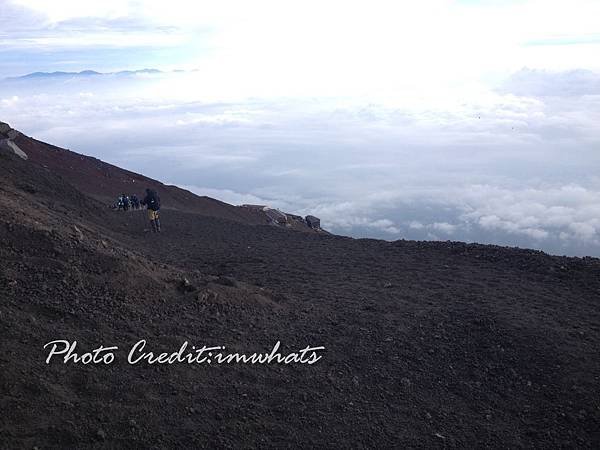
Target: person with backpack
x=135 y=203
x=152 y=201
x=126 y=203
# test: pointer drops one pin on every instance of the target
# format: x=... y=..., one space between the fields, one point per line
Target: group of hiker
x=126 y=202
x=151 y=201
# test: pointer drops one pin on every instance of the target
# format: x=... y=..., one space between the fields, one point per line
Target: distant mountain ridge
x=83 y=73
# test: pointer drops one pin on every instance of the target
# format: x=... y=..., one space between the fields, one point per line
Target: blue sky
x=436 y=119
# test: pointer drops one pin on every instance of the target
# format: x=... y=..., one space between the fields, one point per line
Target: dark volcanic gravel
x=426 y=344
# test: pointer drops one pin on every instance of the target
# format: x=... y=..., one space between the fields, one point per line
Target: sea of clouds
x=516 y=164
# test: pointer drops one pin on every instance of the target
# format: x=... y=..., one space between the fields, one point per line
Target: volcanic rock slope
x=106 y=182
x=426 y=344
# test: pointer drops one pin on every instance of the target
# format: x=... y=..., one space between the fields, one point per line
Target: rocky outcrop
x=280 y=218
x=313 y=222
x=7 y=144
x=4 y=128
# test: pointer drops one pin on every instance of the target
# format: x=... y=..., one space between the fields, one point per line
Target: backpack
x=153 y=201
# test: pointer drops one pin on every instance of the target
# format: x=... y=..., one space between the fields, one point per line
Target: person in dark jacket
x=126 y=203
x=152 y=201
x=135 y=203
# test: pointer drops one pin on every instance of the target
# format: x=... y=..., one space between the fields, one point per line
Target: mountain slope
x=106 y=182
x=427 y=344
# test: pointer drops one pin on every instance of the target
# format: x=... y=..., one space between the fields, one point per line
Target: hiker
x=152 y=201
x=135 y=203
x=126 y=202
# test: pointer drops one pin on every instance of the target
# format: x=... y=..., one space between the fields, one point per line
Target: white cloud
x=338 y=47
x=226 y=195
x=415 y=225
x=388 y=119
x=527 y=82
x=566 y=212
x=385 y=225
x=60 y=10
x=490 y=167
x=588 y=231
x=349 y=222
x=444 y=227
x=10 y=102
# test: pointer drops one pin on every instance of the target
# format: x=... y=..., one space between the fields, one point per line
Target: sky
x=441 y=120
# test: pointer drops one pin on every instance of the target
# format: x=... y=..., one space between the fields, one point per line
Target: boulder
x=276 y=216
x=8 y=146
x=313 y=222
x=4 y=128
x=13 y=134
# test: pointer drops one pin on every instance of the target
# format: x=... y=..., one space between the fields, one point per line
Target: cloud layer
x=386 y=119
x=487 y=166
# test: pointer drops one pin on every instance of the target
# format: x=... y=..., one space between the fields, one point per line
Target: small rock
x=388 y=285
x=405 y=382
x=207 y=295
x=78 y=233
x=101 y=434
x=186 y=286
